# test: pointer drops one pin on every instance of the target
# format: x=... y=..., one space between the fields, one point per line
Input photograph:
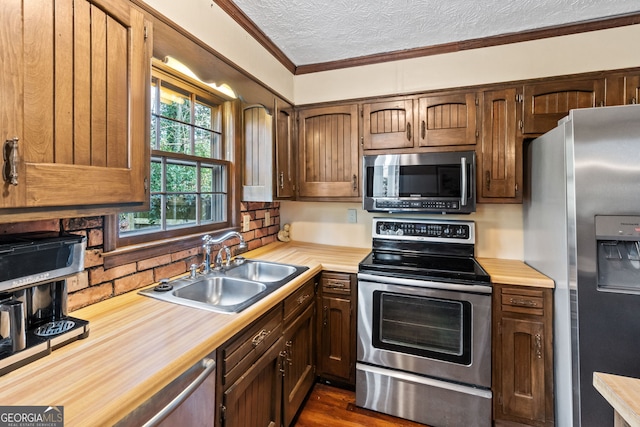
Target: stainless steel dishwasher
x=188 y=400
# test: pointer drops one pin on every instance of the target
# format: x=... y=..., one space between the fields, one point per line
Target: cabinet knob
x=10 y=155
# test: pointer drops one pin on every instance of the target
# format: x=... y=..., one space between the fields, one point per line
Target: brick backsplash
x=96 y=283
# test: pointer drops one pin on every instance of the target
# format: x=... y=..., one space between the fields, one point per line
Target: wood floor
x=329 y=406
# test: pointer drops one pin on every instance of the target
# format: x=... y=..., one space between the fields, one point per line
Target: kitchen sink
x=220 y=291
x=261 y=271
x=229 y=290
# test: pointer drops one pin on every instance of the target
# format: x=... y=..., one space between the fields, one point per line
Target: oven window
x=424 y=326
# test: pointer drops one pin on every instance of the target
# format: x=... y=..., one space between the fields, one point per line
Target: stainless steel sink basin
x=262 y=271
x=220 y=291
x=230 y=290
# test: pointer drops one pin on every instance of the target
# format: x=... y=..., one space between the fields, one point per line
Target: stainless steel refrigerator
x=582 y=229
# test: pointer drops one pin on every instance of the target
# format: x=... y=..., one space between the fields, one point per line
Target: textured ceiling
x=311 y=32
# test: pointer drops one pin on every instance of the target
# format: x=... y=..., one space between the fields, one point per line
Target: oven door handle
x=463 y=181
x=478 y=289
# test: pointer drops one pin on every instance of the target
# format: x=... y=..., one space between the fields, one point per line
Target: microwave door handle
x=463 y=181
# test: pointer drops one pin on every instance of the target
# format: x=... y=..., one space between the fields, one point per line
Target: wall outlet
x=352 y=216
x=246 y=223
x=267 y=219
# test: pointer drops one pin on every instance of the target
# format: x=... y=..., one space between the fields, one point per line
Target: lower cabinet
x=523 y=356
x=300 y=350
x=266 y=371
x=337 y=328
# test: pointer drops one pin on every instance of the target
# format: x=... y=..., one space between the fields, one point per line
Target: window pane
x=203 y=142
x=206 y=179
x=152 y=134
x=175 y=104
x=203 y=115
x=213 y=208
x=181 y=210
x=142 y=222
x=175 y=137
x=219 y=179
x=156 y=175
x=181 y=178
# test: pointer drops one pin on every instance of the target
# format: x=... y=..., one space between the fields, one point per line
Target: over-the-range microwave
x=442 y=182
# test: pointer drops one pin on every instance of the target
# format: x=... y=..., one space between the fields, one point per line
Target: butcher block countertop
x=514 y=272
x=623 y=393
x=137 y=345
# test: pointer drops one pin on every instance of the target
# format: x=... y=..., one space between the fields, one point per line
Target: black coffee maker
x=33 y=295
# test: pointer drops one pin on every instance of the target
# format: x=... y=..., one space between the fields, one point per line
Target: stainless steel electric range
x=424 y=324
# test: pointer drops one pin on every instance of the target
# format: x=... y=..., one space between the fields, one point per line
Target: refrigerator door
x=598 y=166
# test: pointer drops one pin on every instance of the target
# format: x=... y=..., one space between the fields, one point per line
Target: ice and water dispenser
x=618 y=239
x=33 y=295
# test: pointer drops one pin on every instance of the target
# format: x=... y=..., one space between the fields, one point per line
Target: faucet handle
x=193 y=270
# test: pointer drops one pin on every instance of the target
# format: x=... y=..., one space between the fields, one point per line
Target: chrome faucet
x=219 y=263
x=209 y=241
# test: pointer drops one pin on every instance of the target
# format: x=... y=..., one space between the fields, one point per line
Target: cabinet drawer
x=242 y=351
x=299 y=300
x=526 y=301
x=337 y=283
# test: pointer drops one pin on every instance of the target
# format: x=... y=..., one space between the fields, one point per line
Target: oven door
x=426 y=329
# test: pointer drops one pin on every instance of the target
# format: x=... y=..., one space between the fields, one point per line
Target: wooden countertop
x=514 y=272
x=623 y=393
x=137 y=345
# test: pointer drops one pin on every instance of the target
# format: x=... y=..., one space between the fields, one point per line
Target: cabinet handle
x=355 y=182
x=325 y=310
x=538 y=346
x=409 y=131
x=283 y=356
x=524 y=302
x=303 y=298
x=423 y=130
x=209 y=366
x=288 y=354
x=10 y=154
x=334 y=284
x=260 y=336
x=281 y=179
x=487 y=178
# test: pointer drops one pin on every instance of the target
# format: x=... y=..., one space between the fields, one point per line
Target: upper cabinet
x=257 y=176
x=448 y=120
x=328 y=152
x=547 y=102
x=285 y=165
x=499 y=153
x=75 y=77
x=388 y=125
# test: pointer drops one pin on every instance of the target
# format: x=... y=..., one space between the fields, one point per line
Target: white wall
x=498 y=227
x=594 y=51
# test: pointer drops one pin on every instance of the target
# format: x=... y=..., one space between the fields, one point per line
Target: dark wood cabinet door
x=255 y=399
x=447 y=120
x=500 y=149
x=546 y=103
x=285 y=166
x=523 y=363
x=299 y=365
x=77 y=105
x=335 y=352
x=388 y=125
x=329 y=155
